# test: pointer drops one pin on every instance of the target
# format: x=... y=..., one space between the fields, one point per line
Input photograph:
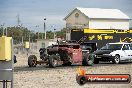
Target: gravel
x=63 y=77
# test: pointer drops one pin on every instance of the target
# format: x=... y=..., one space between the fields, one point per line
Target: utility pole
x=38 y=30
x=54 y=33
x=22 y=45
x=22 y=39
x=18 y=20
x=38 y=34
x=6 y=31
x=29 y=38
x=3 y=31
x=3 y=28
x=44 y=29
x=42 y=35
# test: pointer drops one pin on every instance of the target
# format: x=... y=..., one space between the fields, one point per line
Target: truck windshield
x=112 y=47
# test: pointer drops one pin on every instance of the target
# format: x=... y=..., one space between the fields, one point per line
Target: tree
x=18 y=32
x=61 y=33
x=50 y=35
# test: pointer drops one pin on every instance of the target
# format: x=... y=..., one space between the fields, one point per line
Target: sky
x=33 y=12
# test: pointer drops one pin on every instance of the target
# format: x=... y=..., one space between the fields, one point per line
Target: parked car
x=115 y=52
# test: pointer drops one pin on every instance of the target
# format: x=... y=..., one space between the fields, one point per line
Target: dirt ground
x=63 y=77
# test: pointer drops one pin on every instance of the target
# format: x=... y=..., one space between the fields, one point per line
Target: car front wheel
x=32 y=61
x=116 y=59
x=96 y=61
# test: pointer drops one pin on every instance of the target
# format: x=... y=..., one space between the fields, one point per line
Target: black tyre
x=67 y=63
x=116 y=59
x=81 y=80
x=96 y=61
x=87 y=60
x=32 y=61
x=53 y=62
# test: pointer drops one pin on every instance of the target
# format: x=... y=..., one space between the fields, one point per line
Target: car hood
x=100 y=52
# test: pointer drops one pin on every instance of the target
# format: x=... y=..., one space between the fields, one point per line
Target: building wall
x=44 y=43
x=79 y=21
x=84 y=22
x=68 y=36
x=109 y=24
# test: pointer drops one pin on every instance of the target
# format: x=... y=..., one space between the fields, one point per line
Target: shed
x=97 y=18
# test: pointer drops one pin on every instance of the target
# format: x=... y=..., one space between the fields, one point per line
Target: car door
x=130 y=51
x=126 y=51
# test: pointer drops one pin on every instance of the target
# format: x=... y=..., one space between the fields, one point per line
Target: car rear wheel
x=88 y=60
x=116 y=59
x=68 y=62
x=53 y=62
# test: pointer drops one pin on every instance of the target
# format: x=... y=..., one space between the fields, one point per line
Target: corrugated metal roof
x=102 y=13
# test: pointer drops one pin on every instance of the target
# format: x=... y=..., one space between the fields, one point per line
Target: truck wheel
x=32 y=61
x=116 y=59
x=88 y=60
x=53 y=61
x=96 y=61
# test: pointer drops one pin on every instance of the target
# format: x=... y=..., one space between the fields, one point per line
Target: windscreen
x=112 y=47
x=130 y=46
